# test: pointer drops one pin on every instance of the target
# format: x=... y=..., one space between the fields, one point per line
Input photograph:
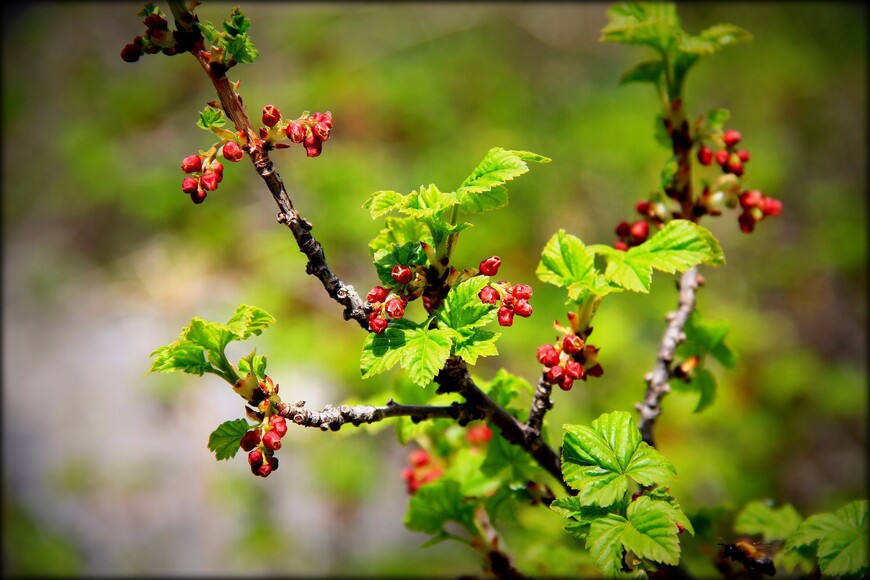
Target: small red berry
x=191 y=164
x=731 y=137
x=321 y=130
x=722 y=157
x=479 y=434
x=548 y=355
x=572 y=344
x=396 y=308
x=750 y=198
x=488 y=295
x=642 y=207
x=271 y=116
x=131 y=52
x=377 y=294
x=198 y=196
x=250 y=440
x=490 y=266
x=620 y=245
x=295 y=132
x=743 y=155
x=705 y=155
x=313 y=145
x=508 y=299
x=232 y=152
x=272 y=440
x=209 y=181
x=264 y=470
x=377 y=322
x=622 y=229
x=573 y=369
x=566 y=383
x=522 y=291
x=189 y=185
x=255 y=457
x=279 y=425
x=418 y=457
x=746 y=221
x=523 y=308
x=505 y=316
x=554 y=375
x=770 y=206
x=402 y=274
x=218 y=169
x=640 y=230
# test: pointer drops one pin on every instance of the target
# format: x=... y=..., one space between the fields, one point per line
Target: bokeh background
x=106 y=471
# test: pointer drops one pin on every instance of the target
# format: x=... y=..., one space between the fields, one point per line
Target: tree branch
x=332 y=418
x=657 y=379
x=540 y=405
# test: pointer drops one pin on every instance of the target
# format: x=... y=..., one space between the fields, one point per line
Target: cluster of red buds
x=206 y=173
x=386 y=303
x=264 y=439
x=756 y=206
x=514 y=299
x=631 y=234
x=570 y=359
x=729 y=158
x=158 y=38
x=309 y=130
x=423 y=469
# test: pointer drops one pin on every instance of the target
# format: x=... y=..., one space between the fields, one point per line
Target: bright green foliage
x=482 y=190
x=510 y=463
x=758 y=517
x=418 y=349
x=400 y=231
x=224 y=440
x=436 y=504
x=566 y=263
x=704 y=338
x=842 y=539
x=511 y=393
x=678 y=246
x=598 y=460
x=200 y=347
x=211 y=117
x=234 y=42
x=462 y=308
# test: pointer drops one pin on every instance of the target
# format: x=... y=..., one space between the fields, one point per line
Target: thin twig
x=541 y=403
x=332 y=418
x=657 y=379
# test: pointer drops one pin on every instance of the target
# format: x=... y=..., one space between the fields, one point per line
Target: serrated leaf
x=842 y=538
x=211 y=117
x=253 y=363
x=598 y=460
x=212 y=336
x=505 y=387
x=462 y=307
x=436 y=504
x=481 y=191
x=207 y=29
x=382 y=202
x=400 y=231
x=652 y=531
x=410 y=254
x=705 y=383
x=580 y=516
x=652 y=24
x=510 y=463
x=428 y=202
x=421 y=351
x=650 y=71
x=475 y=343
x=381 y=352
x=225 y=440
x=604 y=542
x=772 y=524
x=705 y=337
x=237 y=23
x=249 y=321
x=180 y=356
x=566 y=262
x=677 y=247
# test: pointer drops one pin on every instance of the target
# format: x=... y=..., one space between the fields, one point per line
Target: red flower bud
x=731 y=137
x=155 y=22
x=189 y=185
x=279 y=425
x=377 y=294
x=255 y=457
x=548 y=355
x=321 y=130
x=743 y=155
x=505 y=316
x=770 y=206
x=232 y=152
x=325 y=118
x=272 y=440
x=191 y=164
x=377 y=322
x=488 y=295
x=396 y=308
x=640 y=230
x=522 y=291
x=620 y=245
x=573 y=369
x=314 y=147
x=523 y=308
x=209 y=181
x=735 y=166
x=250 y=440
x=131 y=52
x=264 y=470
x=271 y=116
x=705 y=155
x=479 y=434
x=642 y=207
x=295 y=132
x=722 y=157
x=750 y=198
x=622 y=229
x=572 y=344
x=554 y=374
x=566 y=383
x=198 y=196
x=746 y=221
x=418 y=457
x=490 y=266
x=402 y=274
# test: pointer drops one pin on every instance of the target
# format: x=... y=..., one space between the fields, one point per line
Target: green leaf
x=208 y=30
x=651 y=532
x=237 y=23
x=428 y=202
x=438 y=503
x=211 y=117
x=212 y=336
x=668 y=173
x=652 y=24
x=677 y=247
x=758 y=517
x=419 y=350
x=581 y=516
x=225 y=440
x=505 y=387
x=180 y=356
x=510 y=463
x=243 y=50
x=650 y=71
x=410 y=254
x=462 y=308
x=705 y=337
x=598 y=460
x=704 y=382
x=400 y=231
x=382 y=202
x=253 y=363
x=481 y=191
x=716 y=119
x=604 y=542
x=475 y=343
x=842 y=538
x=566 y=262
x=249 y=321
x=724 y=34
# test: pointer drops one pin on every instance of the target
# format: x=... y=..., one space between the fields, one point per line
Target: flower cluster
x=205 y=175
x=570 y=359
x=423 y=469
x=631 y=234
x=157 y=37
x=514 y=299
x=756 y=206
x=729 y=158
x=310 y=130
x=386 y=303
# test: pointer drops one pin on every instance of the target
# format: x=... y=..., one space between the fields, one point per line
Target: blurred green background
x=106 y=471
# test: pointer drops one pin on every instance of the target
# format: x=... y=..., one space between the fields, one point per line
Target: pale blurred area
x=106 y=470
